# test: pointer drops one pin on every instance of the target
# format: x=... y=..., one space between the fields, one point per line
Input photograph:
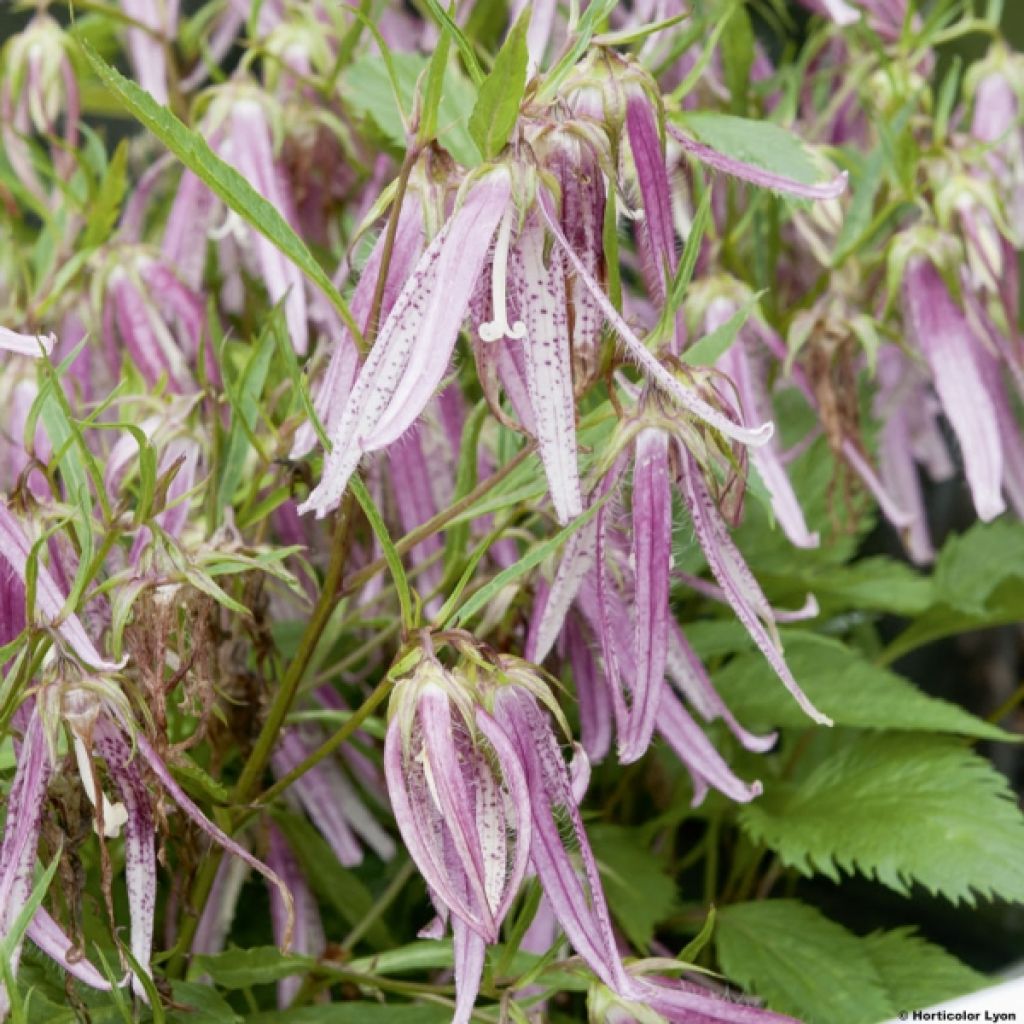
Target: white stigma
x=499 y=327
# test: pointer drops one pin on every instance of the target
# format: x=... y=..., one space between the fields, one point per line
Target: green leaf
x=368 y=92
x=244 y=399
x=106 y=205
x=640 y=893
x=688 y=260
x=843 y=685
x=971 y=565
x=804 y=964
x=899 y=808
x=917 y=973
x=706 y=351
x=693 y=948
x=801 y=963
x=391 y=555
x=450 y=28
x=501 y=92
x=257 y=965
x=222 y=179
x=199 y=1004
x=738 y=57
x=434 y=90
x=761 y=143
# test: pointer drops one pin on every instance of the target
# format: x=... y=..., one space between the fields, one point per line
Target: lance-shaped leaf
x=543 y=304
x=706 y=766
x=412 y=352
x=943 y=335
x=734 y=577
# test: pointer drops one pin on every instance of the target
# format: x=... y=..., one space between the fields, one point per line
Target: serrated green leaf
x=804 y=964
x=801 y=963
x=761 y=143
x=917 y=973
x=501 y=92
x=640 y=893
x=221 y=178
x=901 y=808
x=970 y=566
x=843 y=685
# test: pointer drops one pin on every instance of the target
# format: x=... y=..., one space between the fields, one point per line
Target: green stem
x=285 y=696
x=387 y=897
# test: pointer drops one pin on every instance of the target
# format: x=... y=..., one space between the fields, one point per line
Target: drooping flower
x=33 y=345
x=461 y=802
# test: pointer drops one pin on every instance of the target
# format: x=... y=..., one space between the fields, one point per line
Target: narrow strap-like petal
x=729 y=568
x=15 y=549
x=943 y=335
x=25 y=806
x=139 y=839
x=50 y=938
x=696 y=751
x=690 y=677
x=309 y=932
x=469 y=967
x=652 y=557
x=34 y=345
x=578 y=903
x=181 y=798
x=543 y=306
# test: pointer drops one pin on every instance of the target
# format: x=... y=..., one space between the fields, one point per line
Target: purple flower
x=461 y=802
x=34 y=345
